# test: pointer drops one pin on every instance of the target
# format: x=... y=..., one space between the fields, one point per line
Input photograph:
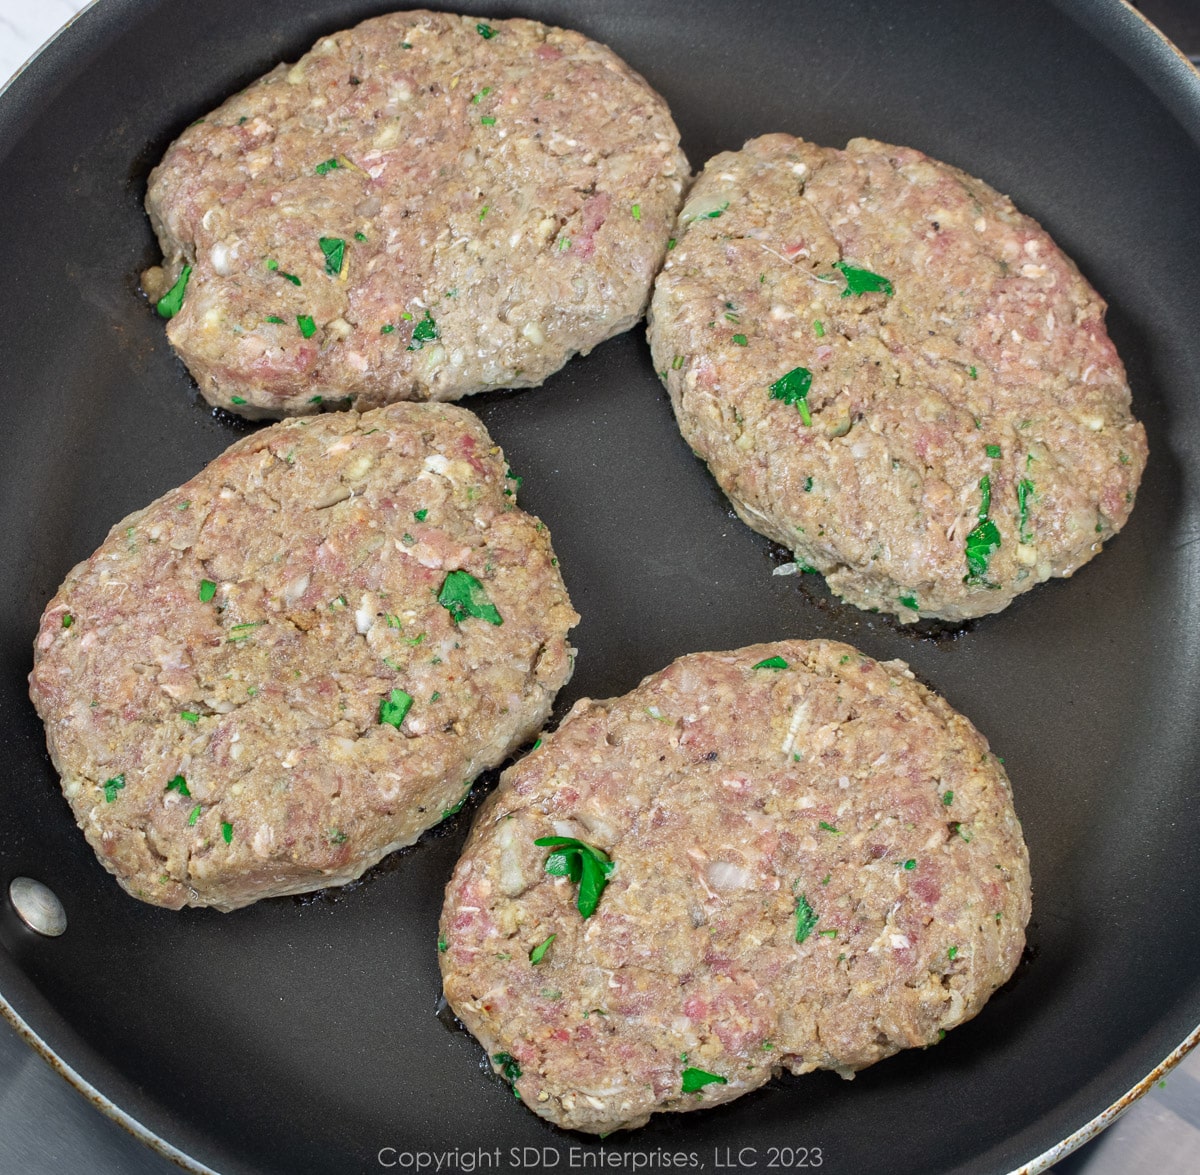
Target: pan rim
x=1052 y=1155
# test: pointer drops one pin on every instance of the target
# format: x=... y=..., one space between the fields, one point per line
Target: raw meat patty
x=300 y=660
x=814 y=863
x=422 y=207
x=895 y=374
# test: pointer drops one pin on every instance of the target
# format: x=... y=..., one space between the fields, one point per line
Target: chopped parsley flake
x=539 y=952
x=671 y=244
x=334 y=249
x=424 y=332
x=636 y=212
x=984 y=540
x=112 y=786
x=485 y=31
x=509 y=1069
x=827 y=933
x=806 y=918
x=386 y=329
x=208 y=589
x=443 y=945
x=326 y=167
x=771 y=663
x=909 y=602
x=420 y=515
x=67 y=620
x=818 y=328
x=172 y=301
x=693 y=1080
x=1024 y=493
x=237 y=399
x=488 y=120
x=792 y=388
x=992 y=450
x=973 y=372
x=862 y=281
x=189 y=716
x=910 y=864
x=462 y=595
x=290 y=277
x=178 y=784
x=828 y=828
x=227 y=832
x=483 y=212
x=951 y=953
x=274 y=318
x=740 y=340
x=587 y=867
x=713 y=214
x=308 y=328
x=393 y=708
x=947 y=798
x=195 y=815
x=536 y=745
x=360 y=236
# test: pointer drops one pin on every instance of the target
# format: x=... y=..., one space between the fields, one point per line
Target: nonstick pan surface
x=300 y=1035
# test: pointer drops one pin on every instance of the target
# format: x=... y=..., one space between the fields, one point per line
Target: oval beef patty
x=814 y=862
x=300 y=660
x=895 y=374
x=421 y=207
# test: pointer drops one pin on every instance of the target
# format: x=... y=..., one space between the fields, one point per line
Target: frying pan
x=301 y=1035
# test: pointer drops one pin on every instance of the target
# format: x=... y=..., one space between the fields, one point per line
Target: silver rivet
x=38 y=906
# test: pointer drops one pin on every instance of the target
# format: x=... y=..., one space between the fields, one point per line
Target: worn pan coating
x=300 y=1036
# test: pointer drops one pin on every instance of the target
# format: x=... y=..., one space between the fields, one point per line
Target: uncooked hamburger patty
x=300 y=660
x=422 y=207
x=815 y=863
x=895 y=374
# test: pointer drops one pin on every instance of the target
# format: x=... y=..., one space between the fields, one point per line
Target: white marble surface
x=46 y=1127
x=25 y=26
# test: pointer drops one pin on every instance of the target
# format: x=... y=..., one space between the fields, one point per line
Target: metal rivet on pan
x=37 y=906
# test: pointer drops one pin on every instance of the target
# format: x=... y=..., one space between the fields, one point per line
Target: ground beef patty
x=300 y=660
x=815 y=863
x=895 y=374
x=421 y=207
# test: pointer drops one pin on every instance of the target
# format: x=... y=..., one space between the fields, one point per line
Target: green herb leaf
x=792 y=388
x=237 y=399
x=179 y=784
x=443 y=945
x=485 y=31
x=360 y=236
x=862 y=281
x=584 y=865
x=291 y=277
x=424 y=332
x=910 y=864
x=462 y=595
x=818 y=328
x=973 y=372
x=488 y=120
x=67 y=620
x=909 y=602
x=539 y=952
x=208 y=589
x=509 y=1068
x=740 y=340
x=1024 y=493
x=112 y=786
x=948 y=798
x=828 y=827
x=326 y=167
x=771 y=663
x=172 y=301
x=227 y=833
x=420 y=515
x=476 y=98
x=992 y=450
x=806 y=918
x=951 y=953
x=195 y=814
x=334 y=249
x=393 y=708
x=308 y=328
x=981 y=543
x=274 y=318
x=189 y=716
x=696 y=1079
x=636 y=212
